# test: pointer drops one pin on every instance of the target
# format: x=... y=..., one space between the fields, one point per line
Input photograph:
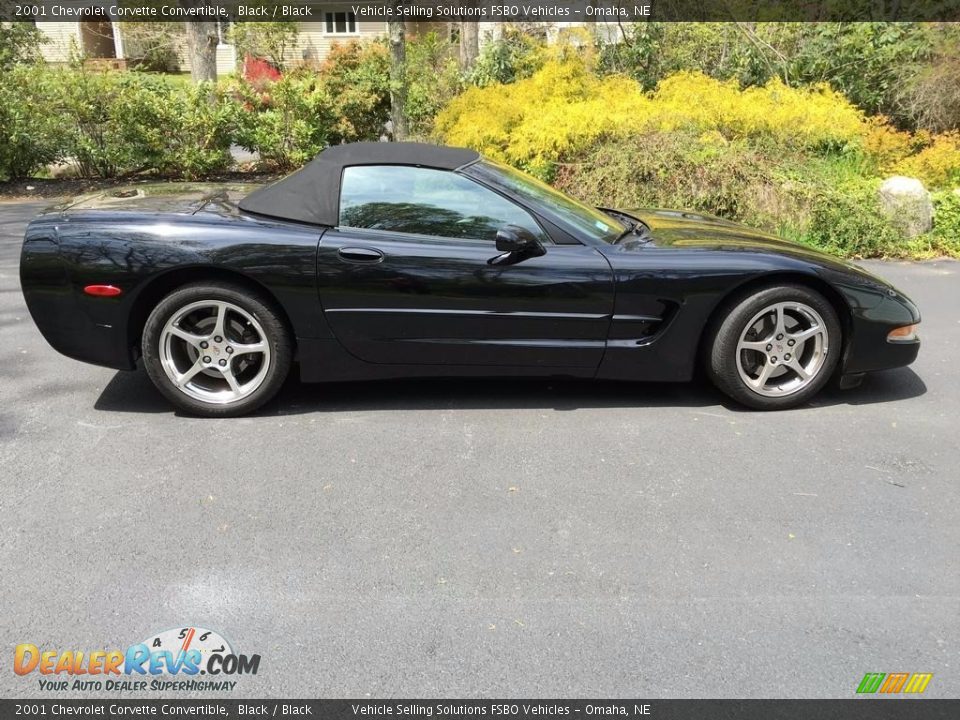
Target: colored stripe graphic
x=918 y=682
x=870 y=682
x=894 y=682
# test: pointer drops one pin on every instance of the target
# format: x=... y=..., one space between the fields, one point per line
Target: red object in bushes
x=258 y=72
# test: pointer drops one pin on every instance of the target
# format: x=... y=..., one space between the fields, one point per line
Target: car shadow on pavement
x=878 y=387
x=133 y=392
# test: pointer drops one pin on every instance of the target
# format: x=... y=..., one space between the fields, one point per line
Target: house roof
x=312 y=194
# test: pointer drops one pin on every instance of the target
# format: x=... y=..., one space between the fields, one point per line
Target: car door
x=407 y=278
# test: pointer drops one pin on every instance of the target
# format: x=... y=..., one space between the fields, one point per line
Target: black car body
x=363 y=302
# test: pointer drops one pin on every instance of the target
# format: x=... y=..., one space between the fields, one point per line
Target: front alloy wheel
x=782 y=349
x=216 y=349
x=775 y=348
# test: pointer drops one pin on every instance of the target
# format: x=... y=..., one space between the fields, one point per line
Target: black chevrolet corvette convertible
x=384 y=260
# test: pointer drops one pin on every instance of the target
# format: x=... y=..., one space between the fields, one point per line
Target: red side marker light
x=102 y=290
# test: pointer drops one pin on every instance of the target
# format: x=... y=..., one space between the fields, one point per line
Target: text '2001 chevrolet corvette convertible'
x=399 y=259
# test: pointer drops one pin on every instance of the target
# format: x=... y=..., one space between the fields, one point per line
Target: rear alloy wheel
x=776 y=348
x=216 y=350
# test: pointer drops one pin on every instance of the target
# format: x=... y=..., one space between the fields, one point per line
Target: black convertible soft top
x=312 y=194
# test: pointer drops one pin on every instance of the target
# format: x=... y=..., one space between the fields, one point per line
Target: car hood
x=681 y=229
x=676 y=228
x=686 y=229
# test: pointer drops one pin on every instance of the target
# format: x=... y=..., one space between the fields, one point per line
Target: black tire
x=724 y=363
x=270 y=374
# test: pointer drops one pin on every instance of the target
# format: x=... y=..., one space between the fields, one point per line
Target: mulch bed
x=70 y=187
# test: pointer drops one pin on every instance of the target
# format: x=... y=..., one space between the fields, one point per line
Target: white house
x=107 y=41
x=110 y=43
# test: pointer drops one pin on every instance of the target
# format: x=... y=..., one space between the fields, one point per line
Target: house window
x=340 y=22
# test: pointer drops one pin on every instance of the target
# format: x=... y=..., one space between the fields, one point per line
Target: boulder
x=66 y=169
x=907 y=204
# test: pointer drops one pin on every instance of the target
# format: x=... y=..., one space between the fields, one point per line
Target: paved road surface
x=480 y=538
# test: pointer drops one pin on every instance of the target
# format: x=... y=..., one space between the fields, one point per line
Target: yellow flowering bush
x=560 y=110
x=812 y=116
x=938 y=164
x=564 y=108
x=887 y=145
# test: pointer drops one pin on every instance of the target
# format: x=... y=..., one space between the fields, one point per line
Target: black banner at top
x=886 y=709
x=491 y=11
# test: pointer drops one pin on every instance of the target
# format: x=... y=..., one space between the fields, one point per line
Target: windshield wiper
x=635 y=227
x=630 y=229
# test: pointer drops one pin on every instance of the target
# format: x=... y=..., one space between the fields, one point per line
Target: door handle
x=360 y=254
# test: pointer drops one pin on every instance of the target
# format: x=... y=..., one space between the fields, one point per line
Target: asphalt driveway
x=488 y=538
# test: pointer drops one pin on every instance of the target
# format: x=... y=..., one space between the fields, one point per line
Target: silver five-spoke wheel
x=774 y=347
x=217 y=349
x=782 y=349
x=214 y=351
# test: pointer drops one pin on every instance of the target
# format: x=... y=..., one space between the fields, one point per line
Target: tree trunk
x=398 y=79
x=469 y=44
x=202 y=44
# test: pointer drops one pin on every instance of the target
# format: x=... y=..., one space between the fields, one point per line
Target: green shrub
x=356 y=79
x=928 y=95
x=946 y=216
x=514 y=56
x=31 y=134
x=19 y=42
x=290 y=120
x=123 y=123
x=433 y=79
x=198 y=125
x=847 y=220
x=638 y=53
x=108 y=118
x=288 y=123
x=867 y=61
x=822 y=202
x=683 y=170
x=111 y=123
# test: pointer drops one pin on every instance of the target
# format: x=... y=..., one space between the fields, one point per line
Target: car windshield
x=575 y=217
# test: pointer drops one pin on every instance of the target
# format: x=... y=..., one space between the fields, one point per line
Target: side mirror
x=515 y=239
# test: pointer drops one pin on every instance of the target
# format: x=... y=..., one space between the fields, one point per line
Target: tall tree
x=202 y=44
x=469 y=43
x=271 y=40
x=398 y=78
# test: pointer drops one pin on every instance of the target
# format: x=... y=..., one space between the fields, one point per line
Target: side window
x=426 y=202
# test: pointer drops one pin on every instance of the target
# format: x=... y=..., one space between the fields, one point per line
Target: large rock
x=64 y=170
x=907 y=203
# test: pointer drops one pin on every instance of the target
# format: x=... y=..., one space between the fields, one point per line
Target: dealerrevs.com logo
x=170 y=660
x=894 y=683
